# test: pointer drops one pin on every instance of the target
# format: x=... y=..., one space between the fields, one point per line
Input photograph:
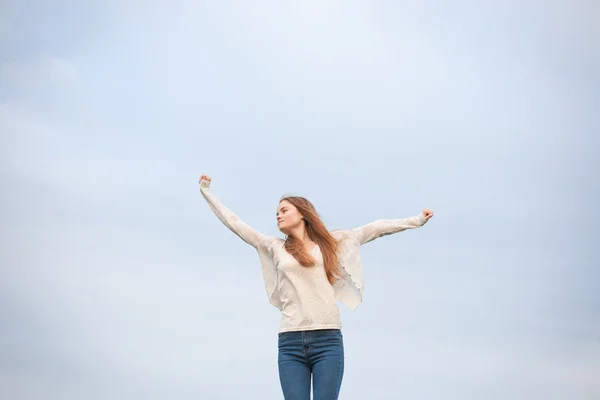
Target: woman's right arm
x=228 y=218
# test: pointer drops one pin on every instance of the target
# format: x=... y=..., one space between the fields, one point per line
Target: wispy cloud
x=45 y=71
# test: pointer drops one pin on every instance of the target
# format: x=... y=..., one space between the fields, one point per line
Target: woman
x=305 y=274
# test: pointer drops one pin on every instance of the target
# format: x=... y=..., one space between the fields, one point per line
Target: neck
x=300 y=233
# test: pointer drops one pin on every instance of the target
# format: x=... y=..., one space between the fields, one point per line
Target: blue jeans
x=320 y=352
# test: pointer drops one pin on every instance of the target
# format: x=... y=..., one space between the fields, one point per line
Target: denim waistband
x=313 y=332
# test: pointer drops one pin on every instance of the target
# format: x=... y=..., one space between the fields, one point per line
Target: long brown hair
x=318 y=233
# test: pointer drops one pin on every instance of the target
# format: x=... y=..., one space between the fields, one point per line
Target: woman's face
x=288 y=217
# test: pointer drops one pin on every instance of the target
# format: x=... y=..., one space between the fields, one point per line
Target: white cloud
x=328 y=42
x=41 y=72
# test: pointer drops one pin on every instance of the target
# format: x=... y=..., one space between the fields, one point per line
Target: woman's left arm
x=383 y=227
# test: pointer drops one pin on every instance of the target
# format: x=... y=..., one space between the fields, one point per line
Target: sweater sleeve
x=231 y=220
x=383 y=227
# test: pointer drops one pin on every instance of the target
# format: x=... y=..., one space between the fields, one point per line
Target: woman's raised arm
x=383 y=227
x=228 y=218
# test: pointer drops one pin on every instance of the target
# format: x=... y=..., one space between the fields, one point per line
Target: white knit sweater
x=304 y=296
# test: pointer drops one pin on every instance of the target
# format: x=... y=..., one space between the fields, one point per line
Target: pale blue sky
x=118 y=282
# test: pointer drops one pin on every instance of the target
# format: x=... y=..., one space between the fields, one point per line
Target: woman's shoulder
x=340 y=234
x=272 y=242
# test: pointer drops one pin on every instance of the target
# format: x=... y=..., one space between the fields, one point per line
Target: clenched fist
x=204 y=181
x=427 y=213
x=204 y=178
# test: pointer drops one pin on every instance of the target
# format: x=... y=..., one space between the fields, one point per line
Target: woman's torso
x=307 y=298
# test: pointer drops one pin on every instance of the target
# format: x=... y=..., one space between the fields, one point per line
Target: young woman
x=305 y=274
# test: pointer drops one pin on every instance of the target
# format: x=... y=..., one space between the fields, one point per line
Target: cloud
x=44 y=71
